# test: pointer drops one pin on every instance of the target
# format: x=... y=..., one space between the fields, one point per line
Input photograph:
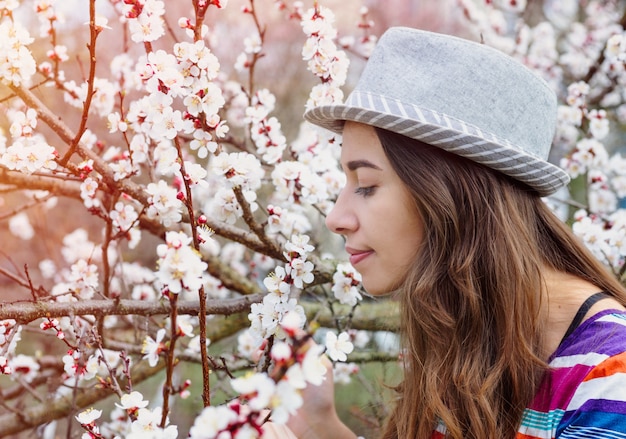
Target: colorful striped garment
x=583 y=396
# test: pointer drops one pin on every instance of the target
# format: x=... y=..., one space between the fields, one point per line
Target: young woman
x=510 y=327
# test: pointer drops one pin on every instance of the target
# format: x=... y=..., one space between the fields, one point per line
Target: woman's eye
x=365 y=191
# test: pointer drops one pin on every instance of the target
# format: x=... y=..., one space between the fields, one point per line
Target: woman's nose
x=341 y=219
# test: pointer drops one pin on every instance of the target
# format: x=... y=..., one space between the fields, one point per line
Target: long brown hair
x=471 y=314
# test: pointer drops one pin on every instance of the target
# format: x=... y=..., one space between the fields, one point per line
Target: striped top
x=583 y=395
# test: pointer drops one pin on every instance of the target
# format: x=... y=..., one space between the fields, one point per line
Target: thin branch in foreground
x=93 y=33
x=26 y=312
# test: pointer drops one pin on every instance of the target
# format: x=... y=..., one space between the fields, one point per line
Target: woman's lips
x=356 y=257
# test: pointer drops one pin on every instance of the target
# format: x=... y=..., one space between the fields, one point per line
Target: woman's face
x=375 y=212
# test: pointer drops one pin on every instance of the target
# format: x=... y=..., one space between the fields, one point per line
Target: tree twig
x=26 y=312
x=93 y=36
x=257 y=228
x=170 y=359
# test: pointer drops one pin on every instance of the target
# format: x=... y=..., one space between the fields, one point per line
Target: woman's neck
x=565 y=293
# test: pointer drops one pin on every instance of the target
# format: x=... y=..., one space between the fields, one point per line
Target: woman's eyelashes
x=365 y=191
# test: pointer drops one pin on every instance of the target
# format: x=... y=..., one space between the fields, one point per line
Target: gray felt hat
x=458 y=95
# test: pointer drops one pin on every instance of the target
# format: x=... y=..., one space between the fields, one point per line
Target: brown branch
x=246 y=238
x=204 y=355
x=42 y=377
x=257 y=228
x=170 y=360
x=18 y=280
x=372 y=357
x=255 y=56
x=370 y=316
x=93 y=35
x=25 y=312
x=206 y=370
x=200 y=9
x=57 y=186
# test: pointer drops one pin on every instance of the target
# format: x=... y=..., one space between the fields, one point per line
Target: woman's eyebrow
x=353 y=165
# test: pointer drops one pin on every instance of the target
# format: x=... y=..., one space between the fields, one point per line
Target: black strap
x=582 y=311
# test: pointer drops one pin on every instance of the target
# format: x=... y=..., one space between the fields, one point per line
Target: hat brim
x=445 y=132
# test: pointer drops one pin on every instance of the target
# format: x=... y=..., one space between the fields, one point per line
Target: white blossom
x=88 y=416
x=152 y=348
x=164 y=203
x=345 y=282
x=20 y=226
x=180 y=266
x=338 y=346
x=211 y=421
x=132 y=401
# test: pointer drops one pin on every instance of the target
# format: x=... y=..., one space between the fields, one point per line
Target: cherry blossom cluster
x=8 y=6
x=84 y=365
x=125 y=221
x=53 y=324
x=87 y=419
x=131 y=418
x=28 y=152
x=323 y=56
x=559 y=47
x=165 y=205
x=265 y=131
x=311 y=179
x=253 y=46
x=605 y=235
x=346 y=282
x=80 y=281
x=145 y=19
x=237 y=170
x=583 y=130
x=17 y=64
x=153 y=347
x=297 y=363
x=338 y=346
x=48 y=16
x=282 y=285
x=181 y=267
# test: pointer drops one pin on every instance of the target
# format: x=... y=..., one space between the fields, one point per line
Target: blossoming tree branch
x=210 y=220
